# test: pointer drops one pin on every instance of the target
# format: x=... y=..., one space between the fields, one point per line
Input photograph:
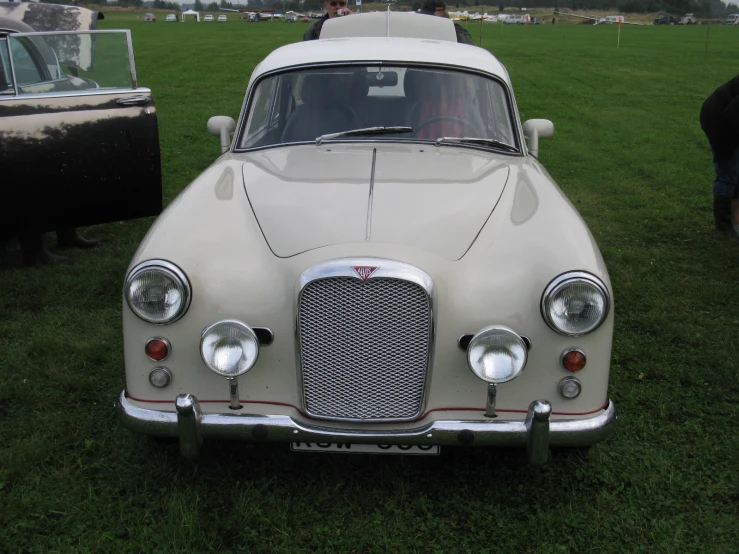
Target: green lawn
x=628 y=151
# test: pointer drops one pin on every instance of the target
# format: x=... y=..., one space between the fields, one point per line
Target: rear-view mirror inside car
x=382 y=79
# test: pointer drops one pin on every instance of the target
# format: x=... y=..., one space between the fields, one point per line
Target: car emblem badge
x=364 y=271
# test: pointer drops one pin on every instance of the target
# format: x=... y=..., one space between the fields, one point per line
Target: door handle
x=133 y=101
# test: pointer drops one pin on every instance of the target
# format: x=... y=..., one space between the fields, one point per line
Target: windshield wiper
x=487 y=142
x=365 y=131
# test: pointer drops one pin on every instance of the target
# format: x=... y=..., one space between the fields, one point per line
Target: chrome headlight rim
x=244 y=327
x=173 y=272
x=558 y=283
x=487 y=330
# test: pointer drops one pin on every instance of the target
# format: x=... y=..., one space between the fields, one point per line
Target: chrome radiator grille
x=364 y=348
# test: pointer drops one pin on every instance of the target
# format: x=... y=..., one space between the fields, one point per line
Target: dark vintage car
x=79 y=140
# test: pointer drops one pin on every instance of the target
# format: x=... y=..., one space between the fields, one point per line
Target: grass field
x=628 y=151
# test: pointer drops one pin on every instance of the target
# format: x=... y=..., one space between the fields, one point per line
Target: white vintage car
x=377 y=263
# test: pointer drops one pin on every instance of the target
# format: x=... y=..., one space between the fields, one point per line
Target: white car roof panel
x=377 y=49
x=384 y=24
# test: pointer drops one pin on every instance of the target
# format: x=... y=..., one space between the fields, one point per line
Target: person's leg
x=735 y=196
x=724 y=190
x=34 y=251
x=68 y=237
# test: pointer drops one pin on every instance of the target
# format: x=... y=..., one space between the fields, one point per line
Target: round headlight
x=229 y=348
x=496 y=354
x=158 y=292
x=575 y=304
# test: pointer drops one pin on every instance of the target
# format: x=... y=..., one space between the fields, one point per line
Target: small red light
x=157 y=349
x=573 y=360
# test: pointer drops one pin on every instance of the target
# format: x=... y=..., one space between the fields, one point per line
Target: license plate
x=404 y=449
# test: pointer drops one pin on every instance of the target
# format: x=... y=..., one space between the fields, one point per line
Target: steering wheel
x=466 y=123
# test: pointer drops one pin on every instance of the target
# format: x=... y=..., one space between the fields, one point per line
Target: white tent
x=191 y=12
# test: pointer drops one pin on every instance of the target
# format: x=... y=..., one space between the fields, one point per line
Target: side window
x=63 y=63
x=499 y=121
x=6 y=82
x=259 y=116
x=275 y=110
x=26 y=62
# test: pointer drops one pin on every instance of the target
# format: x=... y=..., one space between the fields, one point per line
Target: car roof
x=35 y=16
x=382 y=49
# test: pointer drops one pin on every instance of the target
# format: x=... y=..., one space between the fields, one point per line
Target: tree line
x=701 y=8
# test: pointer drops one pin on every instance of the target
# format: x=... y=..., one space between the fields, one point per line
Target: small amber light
x=157 y=349
x=573 y=360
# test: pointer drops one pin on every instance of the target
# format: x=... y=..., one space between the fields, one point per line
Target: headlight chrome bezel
x=563 y=281
x=171 y=271
x=484 y=333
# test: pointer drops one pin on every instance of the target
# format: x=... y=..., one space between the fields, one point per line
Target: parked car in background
x=222 y=18
x=612 y=20
x=732 y=19
x=79 y=142
x=378 y=263
x=665 y=19
x=171 y=17
x=515 y=19
x=150 y=17
x=208 y=17
x=689 y=19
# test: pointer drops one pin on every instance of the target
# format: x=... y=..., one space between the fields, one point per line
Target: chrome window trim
x=74 y=93
x=173 y=269
x=570 y=275
x=388 y=269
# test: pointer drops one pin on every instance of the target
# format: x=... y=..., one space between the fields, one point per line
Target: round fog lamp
x=160 y=377
x=570 y=387
x=229 y=348
x=496 y=354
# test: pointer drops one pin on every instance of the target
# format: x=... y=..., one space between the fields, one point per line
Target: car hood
x=433 y=198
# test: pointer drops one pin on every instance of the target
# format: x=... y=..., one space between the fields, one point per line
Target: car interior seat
x=323 y=109
x=435 y=110
x=357 y=95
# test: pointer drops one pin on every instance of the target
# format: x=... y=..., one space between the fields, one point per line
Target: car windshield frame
x=500 y=107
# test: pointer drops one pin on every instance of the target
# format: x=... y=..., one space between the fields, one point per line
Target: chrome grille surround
x=375 y=366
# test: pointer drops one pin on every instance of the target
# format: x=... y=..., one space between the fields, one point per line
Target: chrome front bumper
x=537 y=433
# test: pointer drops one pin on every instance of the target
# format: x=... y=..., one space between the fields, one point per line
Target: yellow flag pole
x=618 y=41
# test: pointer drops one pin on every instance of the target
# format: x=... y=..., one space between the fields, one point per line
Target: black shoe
x=68 y=237
x=49 y=258
x=722 y=216
x=34 y=251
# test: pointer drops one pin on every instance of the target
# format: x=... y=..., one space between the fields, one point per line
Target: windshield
x=305 y=105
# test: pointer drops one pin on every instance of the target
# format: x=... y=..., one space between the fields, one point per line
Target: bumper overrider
x=536 y=433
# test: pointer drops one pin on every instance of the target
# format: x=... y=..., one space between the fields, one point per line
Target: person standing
x=719 y=120
x=333 y=8
x=438 y=8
